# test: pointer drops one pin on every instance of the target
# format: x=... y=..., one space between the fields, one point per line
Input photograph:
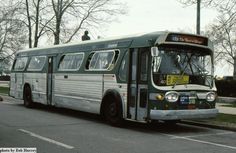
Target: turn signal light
x=160 y=97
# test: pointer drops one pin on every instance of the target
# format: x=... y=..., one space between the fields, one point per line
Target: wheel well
x=108 y=96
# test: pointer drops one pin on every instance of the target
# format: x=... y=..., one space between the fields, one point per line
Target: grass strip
x=225 y=118
x=230 y=105
x=4 y=90
x=220 y=119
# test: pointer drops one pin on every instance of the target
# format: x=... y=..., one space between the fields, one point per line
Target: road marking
x=200 y=141
x=202 y=135
x=46 y=139
x=210 y=143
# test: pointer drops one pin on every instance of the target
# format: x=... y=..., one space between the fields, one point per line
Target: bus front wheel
x=113 y=112
x=28 y=102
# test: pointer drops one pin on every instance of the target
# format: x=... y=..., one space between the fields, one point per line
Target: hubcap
x=112 y=109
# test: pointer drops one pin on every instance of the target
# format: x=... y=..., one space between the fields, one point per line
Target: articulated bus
x=164 y=76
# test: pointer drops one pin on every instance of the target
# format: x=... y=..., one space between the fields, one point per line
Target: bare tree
x=34 y=14
x=207 y=3
x=11 y=29
x=198 y=4
x=222 y=6
x=12 y=35
x=223 y=34
x=223 y=30
x=71 y=16
x=62 y=19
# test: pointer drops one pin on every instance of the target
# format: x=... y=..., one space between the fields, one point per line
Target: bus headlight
x=211 y=96
x=172 y=96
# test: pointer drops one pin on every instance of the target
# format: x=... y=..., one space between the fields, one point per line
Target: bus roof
x=132 y=41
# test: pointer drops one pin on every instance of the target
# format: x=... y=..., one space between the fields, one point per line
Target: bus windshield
x=175 y=66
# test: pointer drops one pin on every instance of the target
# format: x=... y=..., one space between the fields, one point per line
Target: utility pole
x=198 y=16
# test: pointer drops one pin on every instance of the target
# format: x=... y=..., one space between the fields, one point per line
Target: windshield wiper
x=203 y=74
x=185 y=68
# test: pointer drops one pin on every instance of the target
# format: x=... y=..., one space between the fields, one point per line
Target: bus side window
x=124 y=68
x=20 y=63
x=102 y=60
x=36 y=63
x=71 y=62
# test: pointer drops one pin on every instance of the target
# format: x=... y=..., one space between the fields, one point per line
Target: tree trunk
x=57 y=33
x=29 y=24
x=234 y=75
x=36 y=25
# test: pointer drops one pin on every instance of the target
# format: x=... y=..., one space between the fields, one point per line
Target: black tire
x=28 y=102
x=171 y=122
x=113 y=112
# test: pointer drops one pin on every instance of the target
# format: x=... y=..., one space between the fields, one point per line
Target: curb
x=209 y=125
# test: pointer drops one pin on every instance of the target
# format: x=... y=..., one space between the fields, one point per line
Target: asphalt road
x=55 y=130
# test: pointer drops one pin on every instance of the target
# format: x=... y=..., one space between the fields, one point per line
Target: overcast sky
x=159 y=15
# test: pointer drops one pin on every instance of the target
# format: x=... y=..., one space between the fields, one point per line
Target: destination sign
x=177 y=79
x=187 y=39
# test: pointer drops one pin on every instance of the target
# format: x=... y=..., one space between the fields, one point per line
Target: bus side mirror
x=154 y=51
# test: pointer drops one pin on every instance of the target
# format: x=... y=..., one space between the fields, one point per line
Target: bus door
x=50 y=79
x=138 y=84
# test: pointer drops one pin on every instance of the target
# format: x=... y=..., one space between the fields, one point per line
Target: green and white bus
x=164 y=76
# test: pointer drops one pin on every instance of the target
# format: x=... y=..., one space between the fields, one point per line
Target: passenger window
x=36 y=63
x=103 y=60
x=71 y=62
x=20 y=64
x=123 y=68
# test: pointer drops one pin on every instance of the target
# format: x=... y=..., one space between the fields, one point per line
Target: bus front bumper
x=182 y=114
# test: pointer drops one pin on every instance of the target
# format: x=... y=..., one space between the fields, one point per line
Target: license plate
x=184 y=99
x=177 y=79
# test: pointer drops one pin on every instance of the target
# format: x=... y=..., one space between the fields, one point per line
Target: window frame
x=41 y=68
x=126 y=60
x=141 y=72
x=61 y=70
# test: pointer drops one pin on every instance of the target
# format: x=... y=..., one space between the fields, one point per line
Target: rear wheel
x=171 y=122
x=113 y=112
x=28 y=102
